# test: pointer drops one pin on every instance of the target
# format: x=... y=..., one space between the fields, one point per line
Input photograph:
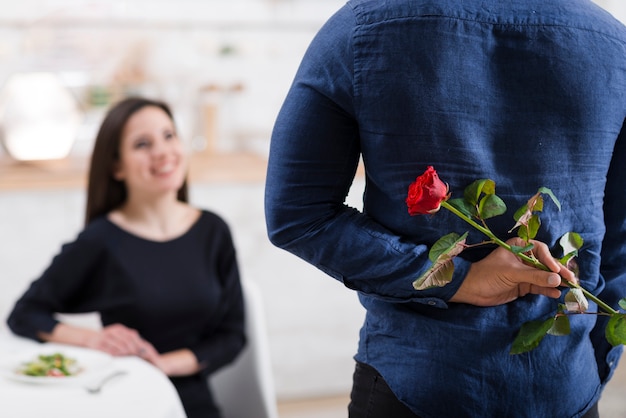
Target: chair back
x=245 y=388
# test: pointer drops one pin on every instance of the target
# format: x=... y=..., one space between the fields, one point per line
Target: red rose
x=426 y=193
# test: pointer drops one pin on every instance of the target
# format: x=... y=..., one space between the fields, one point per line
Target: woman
x=162 y=274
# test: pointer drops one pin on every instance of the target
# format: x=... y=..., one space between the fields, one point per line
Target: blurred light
x=39 y=117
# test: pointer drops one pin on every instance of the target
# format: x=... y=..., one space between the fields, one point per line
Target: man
x=528 y=93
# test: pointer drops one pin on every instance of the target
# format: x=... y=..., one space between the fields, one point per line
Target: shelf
x=72 y=172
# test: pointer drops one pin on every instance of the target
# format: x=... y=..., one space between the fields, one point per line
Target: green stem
x=603 y=305
x=484 y=230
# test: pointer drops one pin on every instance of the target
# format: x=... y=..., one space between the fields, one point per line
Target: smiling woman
x=163 y=275
x=152 y=166
x=150 y=152
x=124 y=156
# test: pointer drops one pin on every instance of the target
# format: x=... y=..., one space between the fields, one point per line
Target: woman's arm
x=119 y=340
x=66 y=286
x=70 y=274
x=115 y=339
x=223 y=337
x=182 y=362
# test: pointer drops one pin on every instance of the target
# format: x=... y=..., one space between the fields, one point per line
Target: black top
x=181 y=293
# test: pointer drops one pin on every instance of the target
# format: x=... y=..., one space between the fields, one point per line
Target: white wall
x=616 y=7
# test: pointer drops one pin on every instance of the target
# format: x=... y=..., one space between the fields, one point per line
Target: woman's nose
x=160 y=147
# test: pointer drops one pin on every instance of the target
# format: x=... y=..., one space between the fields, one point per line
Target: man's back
x=527 y=93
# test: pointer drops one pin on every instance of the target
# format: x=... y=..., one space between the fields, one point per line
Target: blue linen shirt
x=529 y=93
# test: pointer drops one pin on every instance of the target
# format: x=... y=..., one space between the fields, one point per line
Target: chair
x=245 y=388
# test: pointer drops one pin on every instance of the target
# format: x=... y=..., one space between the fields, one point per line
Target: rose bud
x=426 y=193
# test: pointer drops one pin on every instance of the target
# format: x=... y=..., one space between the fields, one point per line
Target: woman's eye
x=141 y=144
x=169 y=135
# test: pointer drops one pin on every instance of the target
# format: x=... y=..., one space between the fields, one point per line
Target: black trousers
x=372 y=398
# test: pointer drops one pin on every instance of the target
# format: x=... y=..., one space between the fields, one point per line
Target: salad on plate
x=50 y=365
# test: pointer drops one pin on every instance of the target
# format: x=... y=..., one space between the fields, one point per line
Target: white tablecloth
x=144 y=391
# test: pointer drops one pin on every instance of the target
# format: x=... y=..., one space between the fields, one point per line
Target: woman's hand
x=120 y=340
x=117 y=340
x=175 y=363
x=502 y=277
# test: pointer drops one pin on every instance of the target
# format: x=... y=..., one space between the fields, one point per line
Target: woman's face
x=152 y=159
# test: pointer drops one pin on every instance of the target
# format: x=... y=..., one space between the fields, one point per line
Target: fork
x=97 y=386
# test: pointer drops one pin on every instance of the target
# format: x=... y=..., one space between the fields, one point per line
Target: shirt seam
x=360 y=23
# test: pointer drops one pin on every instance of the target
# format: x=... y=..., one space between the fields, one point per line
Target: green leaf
x=622 y=303
x=473 y=191
x=564 y=260
x=616 y=330
x=547 y=191
x=520 y=212
x=490 y=206
x=519 y=250
x=530 y=335
x=571 y=242
x=463 y=206
x=534 y=204
x=440 y=273
x=529 y=231
x=560 y=327
x=523 y=215
x=533 y=226
x=446 y=245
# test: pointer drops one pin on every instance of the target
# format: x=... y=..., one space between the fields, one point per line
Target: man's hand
x=502 y=277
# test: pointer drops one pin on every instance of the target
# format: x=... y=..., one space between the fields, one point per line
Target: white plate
x=91 y=363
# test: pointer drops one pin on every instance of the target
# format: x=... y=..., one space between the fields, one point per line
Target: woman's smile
x=152 y=158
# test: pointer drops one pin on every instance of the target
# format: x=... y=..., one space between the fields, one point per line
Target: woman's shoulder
x=213 y=226
x=97 y=232
x=100 y=226
x=92 y=240
x=210 y=219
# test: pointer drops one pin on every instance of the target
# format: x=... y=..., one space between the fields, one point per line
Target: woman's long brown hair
x=105 y=193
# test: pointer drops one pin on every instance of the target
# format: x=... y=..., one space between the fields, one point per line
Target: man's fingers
x=538 y=277
x=545 y=291
x=542 y=253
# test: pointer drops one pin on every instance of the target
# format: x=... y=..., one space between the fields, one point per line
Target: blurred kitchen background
x=225 y=67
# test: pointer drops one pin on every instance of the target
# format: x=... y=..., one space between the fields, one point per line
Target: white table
x=144 y=391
